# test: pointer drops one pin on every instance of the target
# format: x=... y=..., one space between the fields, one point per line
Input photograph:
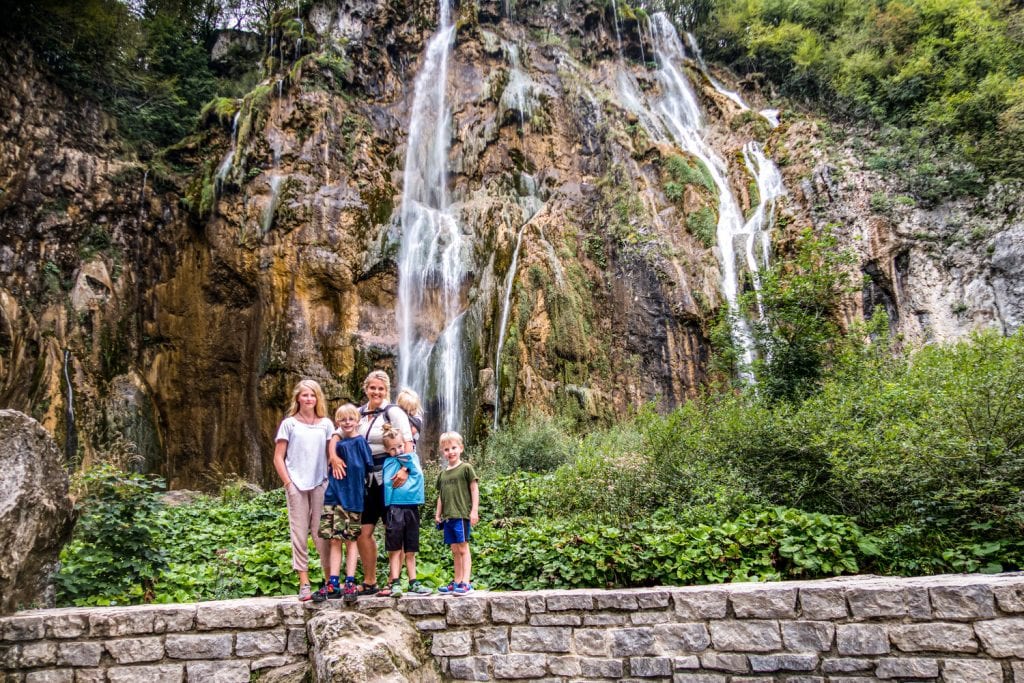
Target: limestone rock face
x=350 y=647
x=35 y=512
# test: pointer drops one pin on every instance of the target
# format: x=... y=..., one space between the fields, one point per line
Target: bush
x=114 y=557
x=531 y=443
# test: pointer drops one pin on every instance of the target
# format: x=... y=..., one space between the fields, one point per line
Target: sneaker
x=305 y=593
x=463 y=589
x=320 y=594
x=396 y=589
x=417 y=588
x=333 y=591
x=447 y=590
x=349 y=593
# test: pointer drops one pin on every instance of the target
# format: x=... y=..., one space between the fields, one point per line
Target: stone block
x=618 y=601
x=451 y=644
x=794 y=679
x=9 y=657
x=42 y=653
x=786 y=662
x=217 y=672
x=466 y=611
x=236 y=614
x=491 y=641
x=850 y=679
x=293 y=613
x=650 y=667
x=605 y=619
x=79 y=654
x=1002 y=637
x=862 y=639
x=962 y=603
x=597 y=667
x=846 y=665
x=154 y=673
x=648 y=618
x=718 y=661
x=808 y=636
x=134 y=650
x=764 y=602
x=271 y=662
x=685 y=662
x=564 y=665
x=652 y=599
x=71 y=625
x=298 y=643
x=746 y=636
x=697 y=678
x=1018 y=672
x=519 y=666
x=676 y=638
x=422 y=606
x=888 y=602
x=431 y=624
x=536 y=604
x=701 y=604
x=592 y=641
x=257 y=643
x=198 y=646
x=821 y=602
x=469 y=668
x=627 y=642
x=907 y=667
x=556 y=619
x=570 y=601
x=971 y=671
x=126 y=621
x=174 y=619
x=1010 y=598
x=22 y=628
x=90 y=676
x=508 y=609
x=936 y=637
x=541 y=639
x=51 y=676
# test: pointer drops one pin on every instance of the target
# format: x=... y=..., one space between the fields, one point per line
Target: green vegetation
x=943 y=78
x=703 y=224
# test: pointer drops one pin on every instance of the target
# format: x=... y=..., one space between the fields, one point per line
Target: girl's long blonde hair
x=313 y=385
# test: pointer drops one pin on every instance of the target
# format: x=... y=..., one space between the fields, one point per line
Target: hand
x=400 y=477
x=474 y=518
x=337 y=466
x=437 y=518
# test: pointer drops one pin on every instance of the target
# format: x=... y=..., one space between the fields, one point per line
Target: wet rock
x=35 y=512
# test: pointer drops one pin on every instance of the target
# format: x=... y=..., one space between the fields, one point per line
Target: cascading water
x=71 y=440
x=769 y=189
x=769 y=115
x=432 y=259
x=681 y=115
x=229 y=158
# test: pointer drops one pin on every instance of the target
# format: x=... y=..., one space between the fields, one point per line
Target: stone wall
x=946 y=628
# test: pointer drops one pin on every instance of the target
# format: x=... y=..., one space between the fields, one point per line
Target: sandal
x=368 y=589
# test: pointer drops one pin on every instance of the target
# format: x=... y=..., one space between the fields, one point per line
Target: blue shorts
x=456 y=531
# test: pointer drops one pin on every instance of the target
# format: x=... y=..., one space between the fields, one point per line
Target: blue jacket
x=412 y=491
x=350 y=492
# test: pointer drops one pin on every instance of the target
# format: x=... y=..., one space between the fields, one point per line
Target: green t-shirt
x=453 y=485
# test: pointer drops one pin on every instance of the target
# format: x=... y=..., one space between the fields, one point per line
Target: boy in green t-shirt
x=457 y=509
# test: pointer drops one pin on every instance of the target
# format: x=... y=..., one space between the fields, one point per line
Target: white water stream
x=431 y=261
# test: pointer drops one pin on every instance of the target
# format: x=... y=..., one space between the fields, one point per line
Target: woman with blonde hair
x=300 y=458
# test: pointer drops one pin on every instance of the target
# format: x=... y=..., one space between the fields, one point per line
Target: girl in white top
x=300 y=458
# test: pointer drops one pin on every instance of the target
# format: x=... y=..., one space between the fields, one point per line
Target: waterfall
x=769 y=189
x=71 y=439
x=769 y=115
x=229 y=158
x=432 y=259
x=681 y=115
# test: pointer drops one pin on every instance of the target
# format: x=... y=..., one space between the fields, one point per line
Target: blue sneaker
x=449 y=589
x=463 y=589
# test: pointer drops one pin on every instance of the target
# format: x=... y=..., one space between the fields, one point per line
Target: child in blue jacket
x=402 y=523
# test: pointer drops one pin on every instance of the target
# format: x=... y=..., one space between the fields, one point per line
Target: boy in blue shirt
x=350 y=461
x=402 y=521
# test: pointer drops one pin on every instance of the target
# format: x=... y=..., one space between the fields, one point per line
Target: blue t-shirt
x=413 y=490
x=350 y=491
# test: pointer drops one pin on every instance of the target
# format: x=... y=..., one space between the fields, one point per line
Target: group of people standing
x=342 y=477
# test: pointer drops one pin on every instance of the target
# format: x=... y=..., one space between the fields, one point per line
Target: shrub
x=531 y=443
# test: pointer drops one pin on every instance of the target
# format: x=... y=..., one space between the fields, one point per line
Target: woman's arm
x=280 y=450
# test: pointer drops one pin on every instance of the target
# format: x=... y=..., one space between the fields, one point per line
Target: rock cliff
x=172 y=303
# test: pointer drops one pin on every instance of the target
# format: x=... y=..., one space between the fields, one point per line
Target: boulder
x=351 y=646
x=36 y=514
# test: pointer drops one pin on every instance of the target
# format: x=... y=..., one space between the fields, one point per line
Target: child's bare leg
x=458 y=550
x=395 y=564
x=410 y=566
x=351 y=557
x=368 y=554
x=467 y=564
x=336 y=553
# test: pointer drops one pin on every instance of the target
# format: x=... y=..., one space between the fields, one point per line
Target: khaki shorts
x=337 y=522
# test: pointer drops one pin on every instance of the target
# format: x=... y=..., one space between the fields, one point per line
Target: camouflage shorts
x=337 y=522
